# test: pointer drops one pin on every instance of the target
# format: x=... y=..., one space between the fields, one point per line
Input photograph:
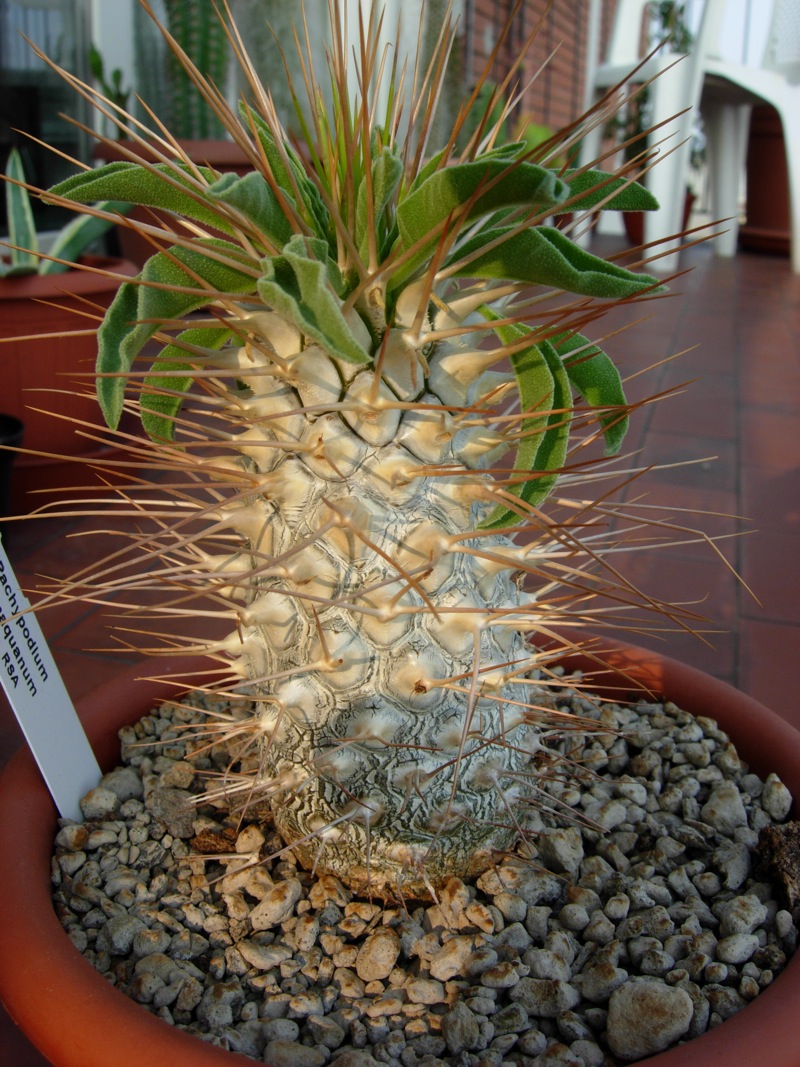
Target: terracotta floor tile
x=15 y=1049
x=772 y=498
x=82 y=673
x=716 y=654
x=770 y=439
x=65 y=556
x=768 y=655
x=54 y=619
x=706 y=407
x=676 y=511
x=10 y=735
x=107 y=636
x=771 y=567
x=767 y=349
x=759 y=387
x=709 y=347
x=693 y=460
x=705 y=598
x=23 y=538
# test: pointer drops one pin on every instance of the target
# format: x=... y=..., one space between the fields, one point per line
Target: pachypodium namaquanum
x=362 y=371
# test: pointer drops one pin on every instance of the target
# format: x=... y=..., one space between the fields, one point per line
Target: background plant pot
x=633 y=221
x=223 y=156
x=11 y=430
x=77 y=1019
x=53 y=307
x=768 y=217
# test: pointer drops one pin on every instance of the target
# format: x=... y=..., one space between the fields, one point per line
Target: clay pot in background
x=52 y=372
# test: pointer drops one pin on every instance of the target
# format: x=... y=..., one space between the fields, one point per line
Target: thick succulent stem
x=394 y=733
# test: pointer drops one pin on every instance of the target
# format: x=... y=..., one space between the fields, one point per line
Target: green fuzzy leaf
x=504 y=151
x=172 y=374
x=543 y=255
x=553 y=441
x=276 y=158
x=510 y=150
x=552 y=452
x=593 y=186
x=451 y=188
x=320 y=213
x=141 y=305
x=298 y=285
x=595 y=377
x=291 y=181
x=252 y=196
x=535 y=386
x=157 y=187
x=425 y=171
x=79 y=234
x=117 y=326
x=386 y=173
x=21 y=227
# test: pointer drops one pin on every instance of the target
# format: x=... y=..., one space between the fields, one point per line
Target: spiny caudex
x=371 y=359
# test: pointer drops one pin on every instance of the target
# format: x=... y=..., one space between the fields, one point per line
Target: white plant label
x=40 y=701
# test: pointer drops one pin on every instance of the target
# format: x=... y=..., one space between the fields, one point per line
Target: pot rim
x=70 y=282
x=77 y=1019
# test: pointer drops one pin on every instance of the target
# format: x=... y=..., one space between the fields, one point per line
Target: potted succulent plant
x=631 y=128
x=357 y=379
x=48 y=313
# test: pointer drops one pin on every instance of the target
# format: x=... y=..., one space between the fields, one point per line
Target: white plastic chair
x=676 y=90
x=725 y=91
x=729 y=91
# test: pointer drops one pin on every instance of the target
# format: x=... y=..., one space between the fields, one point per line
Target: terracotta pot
x=768 y=214
x=77 y=1019
x=46 y=305
x=633 y=221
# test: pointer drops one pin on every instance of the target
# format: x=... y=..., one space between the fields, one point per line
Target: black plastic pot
x=11 y=430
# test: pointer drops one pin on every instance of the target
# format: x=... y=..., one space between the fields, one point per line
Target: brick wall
x=556 y=95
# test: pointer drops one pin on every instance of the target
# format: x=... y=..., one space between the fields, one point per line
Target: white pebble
x=425 y=991
x=776 y=798
x=589 y=1053
x=99 y=803
x=646 y=1017
x=574 y=917
x=378 y=955
x=783 y=923
x=738 y=948
x=562 y=849
x=741 y=915
x=277 y=905
x=617 y=907
x=724 y=809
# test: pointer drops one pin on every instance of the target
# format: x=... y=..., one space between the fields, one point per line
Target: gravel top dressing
x=639 y=920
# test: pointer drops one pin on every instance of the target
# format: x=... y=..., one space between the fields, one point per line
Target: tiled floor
x=744 y=317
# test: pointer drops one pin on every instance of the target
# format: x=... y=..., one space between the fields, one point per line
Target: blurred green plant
x=632 y=126
x=24 y=245
x=110 y=85
x=199 y=33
